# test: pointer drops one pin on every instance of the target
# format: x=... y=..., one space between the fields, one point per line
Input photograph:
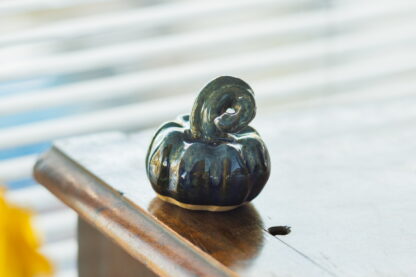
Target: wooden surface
x=343 y=178
x=98 y=256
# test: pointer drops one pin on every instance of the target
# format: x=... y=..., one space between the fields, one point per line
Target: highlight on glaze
x=211 y=160
x=225 y=105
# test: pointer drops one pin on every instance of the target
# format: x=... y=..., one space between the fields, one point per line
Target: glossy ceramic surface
x=211 y=159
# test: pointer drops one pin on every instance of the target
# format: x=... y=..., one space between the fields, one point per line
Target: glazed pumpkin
x=211 y=160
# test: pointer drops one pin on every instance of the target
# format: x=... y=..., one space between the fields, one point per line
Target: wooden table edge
x=146 y=239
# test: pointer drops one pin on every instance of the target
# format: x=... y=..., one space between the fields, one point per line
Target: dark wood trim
x=99 y=256
x=159 y=249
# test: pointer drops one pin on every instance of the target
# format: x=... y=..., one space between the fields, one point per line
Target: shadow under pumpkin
x=235 y=237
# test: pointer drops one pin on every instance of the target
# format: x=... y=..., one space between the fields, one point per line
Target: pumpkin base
x=210 y=208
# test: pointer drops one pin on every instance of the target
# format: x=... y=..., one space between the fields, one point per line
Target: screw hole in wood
x=279 y=230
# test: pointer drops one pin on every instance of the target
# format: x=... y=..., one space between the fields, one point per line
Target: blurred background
x=74 y=67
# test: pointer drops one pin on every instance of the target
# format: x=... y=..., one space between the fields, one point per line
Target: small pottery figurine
x=211 y=160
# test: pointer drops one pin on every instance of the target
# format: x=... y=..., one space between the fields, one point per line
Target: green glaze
x=211 y=157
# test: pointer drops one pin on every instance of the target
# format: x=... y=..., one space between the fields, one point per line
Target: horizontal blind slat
x=138 y=83
x=179 y=43
x=16 y=168
x=148 y=17
x=57 y=225
x=36 y=197
x=144 y=114
x=62 y=253
x=13 y=7
x=294 y=87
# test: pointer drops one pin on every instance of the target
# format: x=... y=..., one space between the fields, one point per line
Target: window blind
x=76 y=67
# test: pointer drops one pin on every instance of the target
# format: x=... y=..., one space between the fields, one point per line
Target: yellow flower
x=19 y=256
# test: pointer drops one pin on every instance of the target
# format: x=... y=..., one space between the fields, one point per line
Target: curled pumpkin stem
x=225 y=105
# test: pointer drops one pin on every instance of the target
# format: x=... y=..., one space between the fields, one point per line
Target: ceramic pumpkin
x=211 y=159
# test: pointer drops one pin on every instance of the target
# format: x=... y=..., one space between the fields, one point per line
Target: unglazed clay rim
x=211 y=208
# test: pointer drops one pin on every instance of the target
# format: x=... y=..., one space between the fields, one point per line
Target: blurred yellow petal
x=19 y=256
